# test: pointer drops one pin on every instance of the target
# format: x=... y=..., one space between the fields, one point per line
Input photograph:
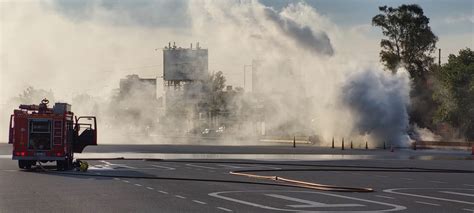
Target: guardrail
x=442 y=144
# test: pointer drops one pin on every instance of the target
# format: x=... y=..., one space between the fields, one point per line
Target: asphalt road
x=404 y=180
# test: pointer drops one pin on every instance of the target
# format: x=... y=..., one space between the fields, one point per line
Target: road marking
x=384 y=196
x=431 y=204
x=381 y=176
x=149 y=188
x=198 y=166
x=163 y=192
x=468 y=185
x=108 y=164
x=116 y=178
x=179 y=196
x=458 y=193
x=230 y=166
x=393 y=191
x=126 y=181
x=470 y=210
x=222 y=208
x=164 y=167
x=219 y=195
x=136 y=184
x=435 y=181
x=310 y=204
x=200 y=202
x=406 y=178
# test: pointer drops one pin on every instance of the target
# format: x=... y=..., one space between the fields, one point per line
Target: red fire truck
x=43 y=134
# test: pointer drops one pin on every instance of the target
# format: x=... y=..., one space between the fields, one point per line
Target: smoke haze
x=308 y=66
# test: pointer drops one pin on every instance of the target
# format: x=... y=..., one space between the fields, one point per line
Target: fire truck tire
x=60 y=165
x=21 y=164
x=68 y=163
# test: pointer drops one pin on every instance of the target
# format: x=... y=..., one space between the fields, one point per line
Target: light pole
x=245 y=66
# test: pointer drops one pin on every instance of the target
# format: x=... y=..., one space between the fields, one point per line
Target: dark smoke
x=302 y=35
x=378 y=102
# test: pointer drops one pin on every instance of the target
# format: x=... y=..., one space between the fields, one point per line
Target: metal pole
x=342 y=147
x=294 y=141
x=439 y=57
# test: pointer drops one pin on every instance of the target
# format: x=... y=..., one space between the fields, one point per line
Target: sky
x=323 y=51
x=451 y=20
x=123 y=24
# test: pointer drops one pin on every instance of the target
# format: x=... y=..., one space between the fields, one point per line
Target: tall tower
x=184 y=69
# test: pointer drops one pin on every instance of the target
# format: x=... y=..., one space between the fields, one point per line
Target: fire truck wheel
x=21 y=164
x=28 y=165
x=60 y=165
x=68 y=163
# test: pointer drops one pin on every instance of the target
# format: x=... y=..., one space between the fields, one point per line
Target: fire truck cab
x=43 y=134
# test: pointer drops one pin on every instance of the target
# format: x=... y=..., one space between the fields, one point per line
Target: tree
x=409 y=40
x=213 y=89
x=34 y=96
x=456 y=95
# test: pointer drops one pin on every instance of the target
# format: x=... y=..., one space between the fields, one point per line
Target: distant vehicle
x=39 y=133
x=211 y=132
x=220 y=129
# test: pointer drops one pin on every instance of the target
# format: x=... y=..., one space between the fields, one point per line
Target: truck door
x=10 y=130
x=85 y=133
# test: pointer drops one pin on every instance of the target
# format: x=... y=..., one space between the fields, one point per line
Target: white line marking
x=149 y=188
x=230 y=166
x=431 y=204
x=384 y=196
x=428 y=197
x=116 y=178
x=435 y=181
x=204 y=167
x=200 y=202
x=179 y=196
x=222 y=208
x=108 y=164
x=219 y=195
x=126 y=181
x=310 y=204
x=164 y=167
x=163 y=192
x=470 y=210
x=406 y=178
x=458 y=193
x=136 y=184
x=468 y=185
x=381 y=176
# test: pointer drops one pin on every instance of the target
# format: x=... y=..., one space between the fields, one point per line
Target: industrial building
x=184 y=71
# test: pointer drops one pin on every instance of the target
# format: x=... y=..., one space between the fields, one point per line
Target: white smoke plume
x=378 y=102
x=309 y=68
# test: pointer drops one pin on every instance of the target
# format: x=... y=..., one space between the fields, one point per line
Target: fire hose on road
x=280 y=181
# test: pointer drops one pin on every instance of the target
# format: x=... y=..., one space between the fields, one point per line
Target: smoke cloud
x=302 y=35
x=378 y=102
x=309 y=70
